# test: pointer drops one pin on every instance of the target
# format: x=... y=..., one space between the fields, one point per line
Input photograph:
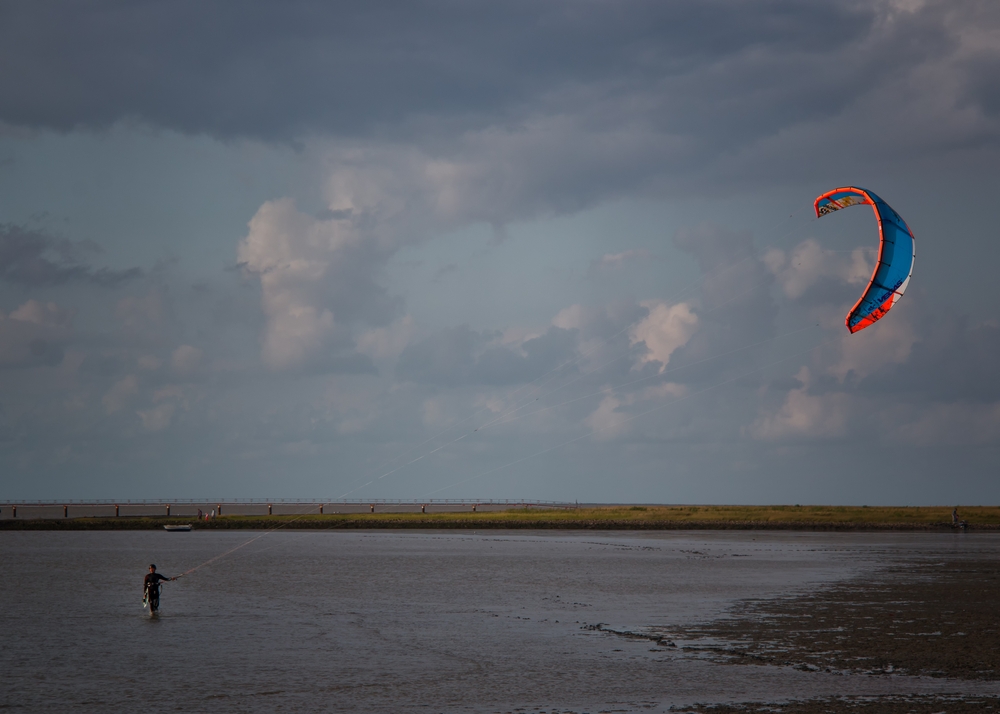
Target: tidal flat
x=501 y=621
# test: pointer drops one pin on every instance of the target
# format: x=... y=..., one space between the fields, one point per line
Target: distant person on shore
x=954 y=516
x=151 y=589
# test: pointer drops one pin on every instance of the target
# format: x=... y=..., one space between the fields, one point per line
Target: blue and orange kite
x=895 y=254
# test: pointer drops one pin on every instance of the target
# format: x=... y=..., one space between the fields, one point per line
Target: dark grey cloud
x=461 y=356
x=539 y=108
x=714 y=75
x=265 y=69
x=34 y=259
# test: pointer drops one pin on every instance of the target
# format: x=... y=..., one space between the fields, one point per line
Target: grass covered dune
x=604 y=518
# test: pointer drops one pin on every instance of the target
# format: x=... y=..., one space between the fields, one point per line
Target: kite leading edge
x=895 y=254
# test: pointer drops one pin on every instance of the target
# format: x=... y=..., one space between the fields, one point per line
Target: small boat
x=185 y=527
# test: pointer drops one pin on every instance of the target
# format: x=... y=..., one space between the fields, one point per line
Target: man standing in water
x=151 y=589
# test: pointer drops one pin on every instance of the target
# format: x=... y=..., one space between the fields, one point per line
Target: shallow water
x=429 y=621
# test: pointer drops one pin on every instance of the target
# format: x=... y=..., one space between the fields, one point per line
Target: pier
x=188 y=508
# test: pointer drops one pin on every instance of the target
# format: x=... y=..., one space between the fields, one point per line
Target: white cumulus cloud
x=47 y=314
x=804 y=415
x=666 y=328
x=186 y=359
x=292 y=254
x=157 y=418
x=808 y=263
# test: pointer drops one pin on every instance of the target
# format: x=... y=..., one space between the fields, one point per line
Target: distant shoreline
x=638 y=518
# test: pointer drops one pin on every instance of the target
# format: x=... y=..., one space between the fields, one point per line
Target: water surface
x=424 y=621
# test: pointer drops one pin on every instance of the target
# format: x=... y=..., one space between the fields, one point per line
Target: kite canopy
x=895 y=254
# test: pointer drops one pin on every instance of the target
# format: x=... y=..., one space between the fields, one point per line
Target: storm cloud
x=640 y=93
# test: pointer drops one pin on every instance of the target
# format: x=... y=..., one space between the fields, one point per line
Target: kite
x=895 y=254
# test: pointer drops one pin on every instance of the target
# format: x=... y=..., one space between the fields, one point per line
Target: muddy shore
x=929 y=619
x=937 y=620
x=956 y=704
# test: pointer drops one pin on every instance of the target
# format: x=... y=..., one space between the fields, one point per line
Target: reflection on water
x=387 y=621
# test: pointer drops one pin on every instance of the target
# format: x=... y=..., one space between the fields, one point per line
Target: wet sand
x=942 y=704
x=937 y=619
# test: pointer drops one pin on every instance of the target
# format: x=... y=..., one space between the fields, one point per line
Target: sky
x=520 y=250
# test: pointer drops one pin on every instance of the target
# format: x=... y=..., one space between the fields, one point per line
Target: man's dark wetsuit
x=151 y=589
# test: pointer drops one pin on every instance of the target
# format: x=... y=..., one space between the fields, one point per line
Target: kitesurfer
x=151 y=589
